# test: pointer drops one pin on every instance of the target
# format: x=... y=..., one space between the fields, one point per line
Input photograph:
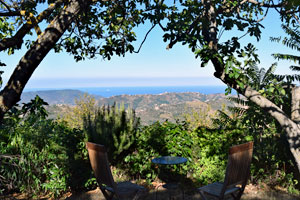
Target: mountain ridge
x=149 y=107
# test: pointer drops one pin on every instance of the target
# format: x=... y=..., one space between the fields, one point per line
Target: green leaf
x=282 y=91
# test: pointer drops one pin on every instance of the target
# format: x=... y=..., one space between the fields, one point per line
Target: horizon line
x=92 y=87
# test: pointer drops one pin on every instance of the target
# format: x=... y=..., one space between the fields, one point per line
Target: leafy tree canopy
x=86 y=28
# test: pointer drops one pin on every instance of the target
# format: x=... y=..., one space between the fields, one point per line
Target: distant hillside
x=150 y=108
x=151 y=101
x=170 y=106
x=67 y=96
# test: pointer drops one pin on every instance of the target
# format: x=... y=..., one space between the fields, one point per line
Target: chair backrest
x=99 y=162
x=238 y=166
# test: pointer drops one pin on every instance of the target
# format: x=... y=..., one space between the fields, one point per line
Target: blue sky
x=153 y=66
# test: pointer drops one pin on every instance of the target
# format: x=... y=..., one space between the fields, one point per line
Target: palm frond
x=279 y=77
x=289 y=78
x=291 y=43
x=275 y=39
x=223 y=119
x=295 y=68
x=239 y=101
x=260 y=76
x=237 y=110
x=253 y=74
x=269 y=75
x=293 y=33
x=294 y=77
x=288 y=57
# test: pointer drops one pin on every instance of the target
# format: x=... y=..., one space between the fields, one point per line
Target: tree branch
x=265 y=5
x=11 y=93
x=10 y=14
x=5 y=5
x=145 y=38
x=193 y=25
x=17 y=39
x=257 y=98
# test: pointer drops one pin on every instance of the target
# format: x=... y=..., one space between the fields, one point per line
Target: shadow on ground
x=162 y=193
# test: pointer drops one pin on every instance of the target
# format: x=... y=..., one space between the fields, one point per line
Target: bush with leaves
x=210 y=151
x=38 y=155
x=272 y=162
x=206 y=150
x=200 y=117
x=158 y=139
x=84 y=106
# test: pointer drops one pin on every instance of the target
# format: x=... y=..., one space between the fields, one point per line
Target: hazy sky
x=154 y=65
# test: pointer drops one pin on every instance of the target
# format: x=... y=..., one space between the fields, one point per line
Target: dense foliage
x=85 y=106
x=114 y=127
x=206 y=150
x=41 y=156
x=272 y=162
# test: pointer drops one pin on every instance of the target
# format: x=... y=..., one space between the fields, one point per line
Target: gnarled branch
x=10 y=14
x=11 y=93
x=17 y=39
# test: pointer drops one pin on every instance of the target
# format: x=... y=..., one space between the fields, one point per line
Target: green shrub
x=211 y=152
x=73 y=116
x=38 y=155
x=115 y=128
x=272 y=162
x=205 y=149
x=158 y=139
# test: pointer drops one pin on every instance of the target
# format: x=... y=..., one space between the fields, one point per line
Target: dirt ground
x=251 y=193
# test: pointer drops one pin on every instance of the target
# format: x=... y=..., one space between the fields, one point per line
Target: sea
x=113 y=91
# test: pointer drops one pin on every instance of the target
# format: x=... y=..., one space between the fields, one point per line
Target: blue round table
x=169 y=160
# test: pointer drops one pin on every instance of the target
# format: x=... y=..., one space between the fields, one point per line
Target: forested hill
x=66 y=96
x=150 y=108
x=170 y=106
x=141 y=102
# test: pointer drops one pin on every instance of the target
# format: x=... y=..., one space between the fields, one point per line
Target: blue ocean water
x=113 y=91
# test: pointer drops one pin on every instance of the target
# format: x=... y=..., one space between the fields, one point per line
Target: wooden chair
x=110 y=189
x=236 y=177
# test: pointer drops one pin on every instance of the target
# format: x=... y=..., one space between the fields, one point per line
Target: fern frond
x=288 y=57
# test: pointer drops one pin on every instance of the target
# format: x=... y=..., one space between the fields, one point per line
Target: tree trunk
x=291 y=127
x=11 y=93
x=295 y=110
